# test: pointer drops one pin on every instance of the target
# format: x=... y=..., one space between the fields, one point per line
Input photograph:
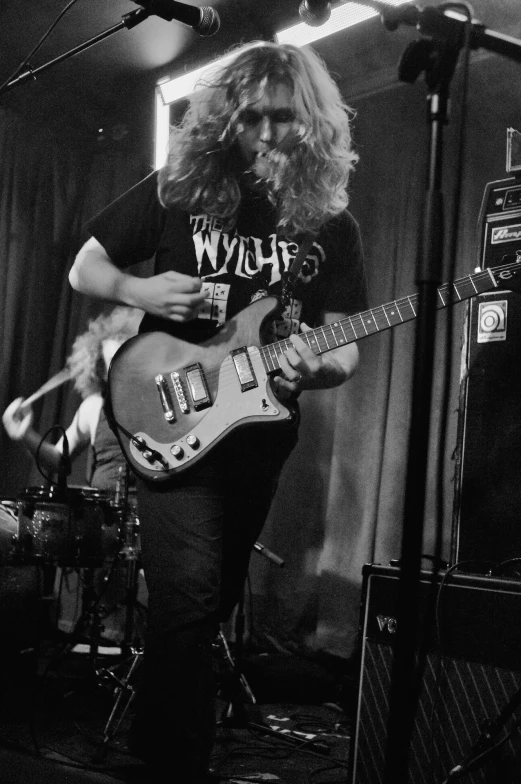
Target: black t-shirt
x=135 y=227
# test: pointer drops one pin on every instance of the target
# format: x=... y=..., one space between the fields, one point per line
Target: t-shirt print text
x=219 y=253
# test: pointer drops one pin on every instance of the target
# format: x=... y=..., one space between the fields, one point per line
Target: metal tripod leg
x=125 y=692
x=245 y=686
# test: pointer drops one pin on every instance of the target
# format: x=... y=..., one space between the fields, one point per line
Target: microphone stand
x=441 y=59
x=236 y=714
x=483 y=748
x=437 y=55
x=129 y=21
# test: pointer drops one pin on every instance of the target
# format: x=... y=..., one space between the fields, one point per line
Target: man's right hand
x=16 y=421
x=170 y=295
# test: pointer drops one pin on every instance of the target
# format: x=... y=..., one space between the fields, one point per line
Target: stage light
x=162 y=129
x=168 y=91
x=173 y=89
x=342 y=16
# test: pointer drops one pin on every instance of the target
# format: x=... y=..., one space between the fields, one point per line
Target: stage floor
x=55 y=726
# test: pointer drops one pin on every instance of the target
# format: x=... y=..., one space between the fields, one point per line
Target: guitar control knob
x=192 y=442
x=177 y=451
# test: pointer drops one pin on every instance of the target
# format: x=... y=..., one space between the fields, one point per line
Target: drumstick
x=56 y=381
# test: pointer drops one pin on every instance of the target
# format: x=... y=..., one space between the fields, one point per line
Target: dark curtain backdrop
x=340 y=500
x=51 y=182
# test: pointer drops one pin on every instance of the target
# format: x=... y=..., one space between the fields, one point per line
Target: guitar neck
x=378 y=319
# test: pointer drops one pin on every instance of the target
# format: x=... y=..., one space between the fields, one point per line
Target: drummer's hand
x=16 y=422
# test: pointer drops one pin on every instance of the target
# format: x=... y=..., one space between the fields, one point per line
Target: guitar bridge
x=179 y=392
x=244 y=369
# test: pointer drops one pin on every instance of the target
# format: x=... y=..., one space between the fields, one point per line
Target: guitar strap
x=291 y=276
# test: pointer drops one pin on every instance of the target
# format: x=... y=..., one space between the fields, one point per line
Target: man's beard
x=268 y=168
x=261 y=167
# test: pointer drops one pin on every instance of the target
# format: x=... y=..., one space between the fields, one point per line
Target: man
x=261 y=159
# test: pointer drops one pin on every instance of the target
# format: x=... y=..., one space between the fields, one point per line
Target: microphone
x=314 y=12
x=204 y=21
x=64 y=467
x=260 y=548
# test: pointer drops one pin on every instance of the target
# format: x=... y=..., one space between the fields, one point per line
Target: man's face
x=263 y=126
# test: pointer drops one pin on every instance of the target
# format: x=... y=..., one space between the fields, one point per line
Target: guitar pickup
x=197 y=386
x=164 y=397
x=244 y=369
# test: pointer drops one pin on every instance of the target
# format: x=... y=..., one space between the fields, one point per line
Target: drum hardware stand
x=129 y=553
x=131 y=654
x=92 y=614
x=124 y=690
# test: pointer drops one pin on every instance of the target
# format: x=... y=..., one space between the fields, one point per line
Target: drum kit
x=82 y=530
x=91 y=532
x=93 y=535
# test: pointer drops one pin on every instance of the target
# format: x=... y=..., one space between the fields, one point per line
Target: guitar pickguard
x=233 y=407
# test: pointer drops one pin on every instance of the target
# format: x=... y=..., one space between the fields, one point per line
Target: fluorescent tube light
x=342 y=16
x=162 y=129
x=173 y=89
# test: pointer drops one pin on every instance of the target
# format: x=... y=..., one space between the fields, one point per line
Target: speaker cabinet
x=472 y=671
x=487 y=502
x=487 y=510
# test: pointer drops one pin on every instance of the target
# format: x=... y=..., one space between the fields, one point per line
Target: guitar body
x=172 y=401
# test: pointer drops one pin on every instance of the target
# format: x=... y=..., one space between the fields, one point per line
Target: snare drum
x=79 y=529
x=45 y=527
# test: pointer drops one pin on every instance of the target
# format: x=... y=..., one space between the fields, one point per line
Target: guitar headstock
x=508 y=276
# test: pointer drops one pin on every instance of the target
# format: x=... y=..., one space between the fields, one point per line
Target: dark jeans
x=197 y=533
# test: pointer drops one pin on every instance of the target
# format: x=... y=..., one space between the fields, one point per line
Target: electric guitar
x=171 y=402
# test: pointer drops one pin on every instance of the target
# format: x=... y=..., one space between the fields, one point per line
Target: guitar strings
x=348 y=329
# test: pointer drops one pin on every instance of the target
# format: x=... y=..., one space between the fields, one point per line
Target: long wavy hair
x=86 y=362
x=309 y=171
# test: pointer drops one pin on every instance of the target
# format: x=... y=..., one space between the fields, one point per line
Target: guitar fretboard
x=361 y=325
